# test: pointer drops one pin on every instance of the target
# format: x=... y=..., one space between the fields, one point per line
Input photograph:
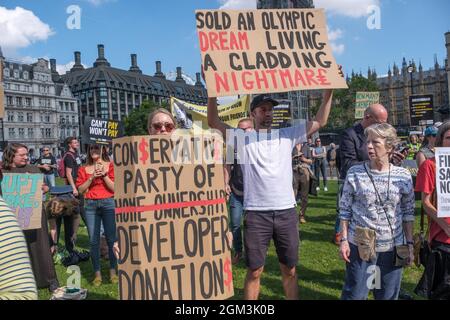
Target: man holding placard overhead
x=258 y=52
x=269 y=201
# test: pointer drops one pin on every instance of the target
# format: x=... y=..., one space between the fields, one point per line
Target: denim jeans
x=387 y=282
x=236 y=211
x=49 y=180
x=320 y=166
x=97 y=212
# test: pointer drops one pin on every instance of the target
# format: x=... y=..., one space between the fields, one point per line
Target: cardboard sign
x=188 y=114
x=442 y=156
x=264 y=51
x=282 y=116
x=363 y=101
x=421 y=109
x=172 y=219
x=101 y=131
x=23 y=194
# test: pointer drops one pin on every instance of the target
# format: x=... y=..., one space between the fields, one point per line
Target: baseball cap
x=259 y=99
x=430 y=131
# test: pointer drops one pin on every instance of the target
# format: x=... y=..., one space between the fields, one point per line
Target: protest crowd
x=266 y=186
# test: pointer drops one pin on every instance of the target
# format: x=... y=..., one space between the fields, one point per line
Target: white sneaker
x=318 y=189
x=325 y=189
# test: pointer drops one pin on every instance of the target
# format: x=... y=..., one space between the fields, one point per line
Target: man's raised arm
x=213 y=117
x=321 y=118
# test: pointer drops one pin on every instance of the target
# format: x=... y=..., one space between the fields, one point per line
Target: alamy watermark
x=73 y=22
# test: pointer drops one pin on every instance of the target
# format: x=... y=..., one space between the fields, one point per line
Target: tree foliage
x=136 y=122
x=342 y=113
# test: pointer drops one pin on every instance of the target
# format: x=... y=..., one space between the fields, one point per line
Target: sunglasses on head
x=159 y=125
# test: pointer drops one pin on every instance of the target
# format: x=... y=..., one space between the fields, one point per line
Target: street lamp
x=410 y=71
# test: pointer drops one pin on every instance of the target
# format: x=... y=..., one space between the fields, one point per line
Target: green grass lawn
x=320 y=270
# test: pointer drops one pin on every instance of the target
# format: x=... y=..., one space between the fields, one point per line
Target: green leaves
x=136 y=122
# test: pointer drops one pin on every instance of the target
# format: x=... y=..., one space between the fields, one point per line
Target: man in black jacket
x=353 y=150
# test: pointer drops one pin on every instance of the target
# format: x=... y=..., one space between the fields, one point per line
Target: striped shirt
x=360 y=206
x=16 y=276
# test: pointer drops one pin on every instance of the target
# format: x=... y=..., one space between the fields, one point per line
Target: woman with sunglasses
x=96 y=181
x=427 y=149
x=161 y=122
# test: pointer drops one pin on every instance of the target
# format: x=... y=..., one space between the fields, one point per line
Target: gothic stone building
x=396 y=88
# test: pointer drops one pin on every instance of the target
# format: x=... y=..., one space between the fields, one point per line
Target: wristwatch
x=410 y=243
x=343 y=239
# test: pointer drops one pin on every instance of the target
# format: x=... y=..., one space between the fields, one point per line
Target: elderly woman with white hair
x=377 y=216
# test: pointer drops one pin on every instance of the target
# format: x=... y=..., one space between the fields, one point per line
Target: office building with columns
x=111 y=93
x=34 y=104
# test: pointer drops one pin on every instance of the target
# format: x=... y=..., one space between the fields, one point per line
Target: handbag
x=421 y=245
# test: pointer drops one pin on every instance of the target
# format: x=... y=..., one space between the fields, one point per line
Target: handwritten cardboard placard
x=263 y=51
x=172 y=219
x=363 y=101
x=23 y=194
x=101 y=131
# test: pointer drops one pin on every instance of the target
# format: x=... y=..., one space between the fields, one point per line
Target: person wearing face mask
x=96 y=181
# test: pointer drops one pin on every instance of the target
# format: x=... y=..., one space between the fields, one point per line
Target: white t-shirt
x=266 y=165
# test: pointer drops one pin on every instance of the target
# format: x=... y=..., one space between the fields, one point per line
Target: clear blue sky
x=165 y=30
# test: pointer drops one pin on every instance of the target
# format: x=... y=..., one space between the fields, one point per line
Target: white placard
x=443 y=181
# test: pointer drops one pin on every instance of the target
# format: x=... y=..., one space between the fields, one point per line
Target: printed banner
x=264 y=51
x=187 y=113
x=172 y=219
x=442 y=156
x=101 y=131
x=421 y=110
x=363 y=101
x=23 y=194
x=282 y=115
